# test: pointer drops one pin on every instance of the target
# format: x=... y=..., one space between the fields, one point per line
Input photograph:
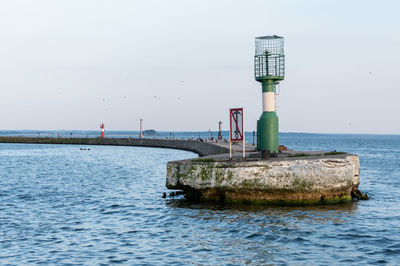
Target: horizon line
x=194 y=131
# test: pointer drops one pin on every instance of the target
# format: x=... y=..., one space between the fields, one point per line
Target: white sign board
x=236 y=130
x=236 y=119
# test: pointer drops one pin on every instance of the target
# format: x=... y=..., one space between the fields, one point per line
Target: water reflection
x=316 y=213
x=266 y=232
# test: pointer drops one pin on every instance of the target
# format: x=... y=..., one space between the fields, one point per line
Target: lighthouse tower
x=269 y=69
x=102 y=130
x=141 y=128
x=220 y=130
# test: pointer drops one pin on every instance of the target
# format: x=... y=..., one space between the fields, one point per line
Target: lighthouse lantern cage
x=269 y=59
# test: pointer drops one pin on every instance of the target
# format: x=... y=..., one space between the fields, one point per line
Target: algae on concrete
x=312 y=180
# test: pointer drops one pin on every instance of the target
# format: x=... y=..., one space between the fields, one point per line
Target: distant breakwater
x=201 y=148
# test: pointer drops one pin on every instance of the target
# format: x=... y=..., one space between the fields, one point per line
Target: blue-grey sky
x=181 y=64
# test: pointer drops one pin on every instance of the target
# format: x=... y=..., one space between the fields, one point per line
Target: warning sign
x=236 y=119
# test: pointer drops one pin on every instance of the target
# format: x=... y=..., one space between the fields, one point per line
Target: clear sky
x=181 y=64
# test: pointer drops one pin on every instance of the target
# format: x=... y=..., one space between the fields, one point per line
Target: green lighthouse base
x=267 y=132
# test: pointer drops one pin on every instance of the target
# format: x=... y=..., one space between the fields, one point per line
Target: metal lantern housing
x=269 y=59
x=269 y=69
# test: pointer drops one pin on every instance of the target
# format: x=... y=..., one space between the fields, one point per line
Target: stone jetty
x=293 y=178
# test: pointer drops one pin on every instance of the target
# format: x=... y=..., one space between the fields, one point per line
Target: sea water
x=72 y=204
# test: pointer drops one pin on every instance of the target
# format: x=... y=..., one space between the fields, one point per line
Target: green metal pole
x=258 y=135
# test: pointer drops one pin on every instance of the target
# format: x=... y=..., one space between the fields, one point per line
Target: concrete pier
x=201 y=148
x=313 y=178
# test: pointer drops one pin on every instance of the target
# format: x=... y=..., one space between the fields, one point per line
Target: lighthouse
x=220 y=130
x=102 y=130
x=269 y=70
x=141 y=128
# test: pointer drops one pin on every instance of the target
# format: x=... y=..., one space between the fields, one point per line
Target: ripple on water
x=60 y=205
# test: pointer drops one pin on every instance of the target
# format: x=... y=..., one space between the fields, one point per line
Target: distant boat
x=150 y=132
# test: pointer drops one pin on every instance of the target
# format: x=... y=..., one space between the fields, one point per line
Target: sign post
x=236 y=129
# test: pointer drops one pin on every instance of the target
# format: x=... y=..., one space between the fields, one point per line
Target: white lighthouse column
x=141 y=128
x=268 y=101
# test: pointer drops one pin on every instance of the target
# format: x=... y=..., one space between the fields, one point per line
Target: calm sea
x=63 y=205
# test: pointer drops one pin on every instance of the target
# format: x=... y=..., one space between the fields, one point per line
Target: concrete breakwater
x=201 y=148
x=314 y=179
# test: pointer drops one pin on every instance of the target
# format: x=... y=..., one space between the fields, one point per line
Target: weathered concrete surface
x=290 y=180
x=198 y=147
